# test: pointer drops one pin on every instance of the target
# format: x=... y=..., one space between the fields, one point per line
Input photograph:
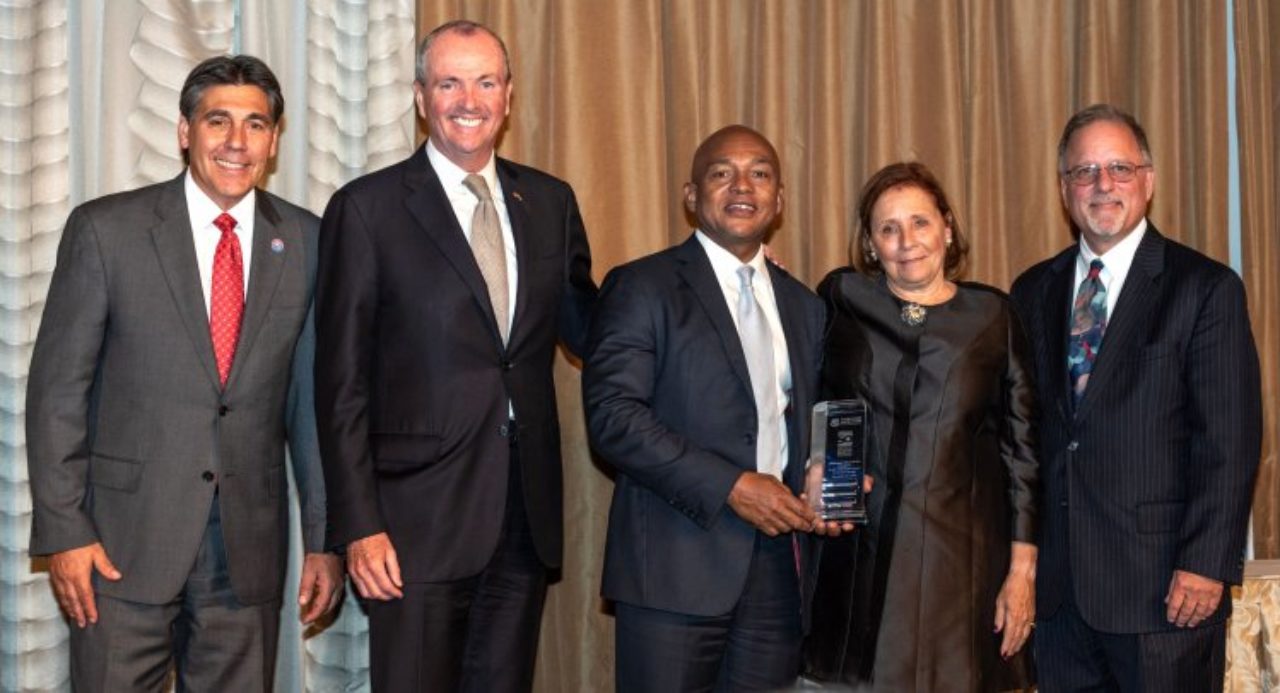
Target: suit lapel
x=1137 y=300
x=1056 y=317
x=521 y=230
x=430 y=207
x=789 y=311
x=267 y=266
x=695 y=269
x=176 y=252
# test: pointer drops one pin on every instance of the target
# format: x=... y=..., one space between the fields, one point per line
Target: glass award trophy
x=837 y=460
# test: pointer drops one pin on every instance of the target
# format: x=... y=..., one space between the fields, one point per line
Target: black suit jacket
x=1154 y=470
x=413 y=381
x=669 y=403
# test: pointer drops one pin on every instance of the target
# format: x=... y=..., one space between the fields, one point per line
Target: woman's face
x=910 y=236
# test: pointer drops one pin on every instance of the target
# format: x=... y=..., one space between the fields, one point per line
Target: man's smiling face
x=736 y=189
x=230 y=141
x=466 y=98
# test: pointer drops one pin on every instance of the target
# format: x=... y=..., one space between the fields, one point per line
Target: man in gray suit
x=172 y=366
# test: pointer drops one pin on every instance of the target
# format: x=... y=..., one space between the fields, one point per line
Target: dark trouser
x=476 y=634
x=214 y=643
x=756 y=646
x=1071 y=656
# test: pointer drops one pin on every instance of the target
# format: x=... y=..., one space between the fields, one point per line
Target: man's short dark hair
x=1101 y=112
x=465 y=27
x=232 y=70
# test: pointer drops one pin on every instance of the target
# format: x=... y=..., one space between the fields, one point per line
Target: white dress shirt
x=726 y=265
x=202 y=211
x=1115 y=265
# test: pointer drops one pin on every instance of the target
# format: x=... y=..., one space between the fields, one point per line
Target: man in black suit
x=444 y=283
x=1150 y=431
x=701 y=369
x=172 y=368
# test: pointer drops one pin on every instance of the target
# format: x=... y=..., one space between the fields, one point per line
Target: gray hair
x=1101 y=112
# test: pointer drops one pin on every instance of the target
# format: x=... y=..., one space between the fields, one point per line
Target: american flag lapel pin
x=277 y=245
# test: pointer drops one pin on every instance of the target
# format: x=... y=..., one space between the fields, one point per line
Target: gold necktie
x=491 y=255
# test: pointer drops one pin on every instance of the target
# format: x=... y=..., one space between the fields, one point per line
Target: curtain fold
x=614 y=97
x=35 y=143
x=89 y=106
x=1257 y=29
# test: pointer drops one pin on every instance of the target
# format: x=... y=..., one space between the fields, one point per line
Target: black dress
x=908 y=602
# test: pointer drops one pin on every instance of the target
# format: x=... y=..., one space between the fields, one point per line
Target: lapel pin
x=516 y=195
x=277 y=245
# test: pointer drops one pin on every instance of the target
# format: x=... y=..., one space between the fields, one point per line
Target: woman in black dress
x=937 y=592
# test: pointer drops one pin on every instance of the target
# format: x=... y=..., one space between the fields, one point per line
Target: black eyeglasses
x=1120 y=172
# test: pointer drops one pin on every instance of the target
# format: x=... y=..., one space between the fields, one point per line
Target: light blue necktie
x=757 y=346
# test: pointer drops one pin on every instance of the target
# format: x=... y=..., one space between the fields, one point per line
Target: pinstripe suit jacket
x=1154 y=470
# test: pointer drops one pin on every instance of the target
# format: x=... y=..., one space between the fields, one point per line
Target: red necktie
x=226 y=300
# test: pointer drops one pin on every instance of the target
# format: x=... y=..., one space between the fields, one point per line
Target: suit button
x=506 y=365
x=1073 y=445
x=1062 y=503
x=749 y=439
x=207 y=475
x=223 y=409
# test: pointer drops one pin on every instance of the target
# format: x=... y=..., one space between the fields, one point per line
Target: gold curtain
x=614 y=97
x=1257 y=26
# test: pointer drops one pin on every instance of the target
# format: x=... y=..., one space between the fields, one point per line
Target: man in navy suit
x=701 y=369
x=1150 y=431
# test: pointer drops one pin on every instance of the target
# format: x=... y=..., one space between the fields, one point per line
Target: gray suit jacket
x=128 y=430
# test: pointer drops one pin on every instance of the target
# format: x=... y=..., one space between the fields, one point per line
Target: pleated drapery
x=35 y=197
x=1257 y=30
x=614 y=97
x=89 y=106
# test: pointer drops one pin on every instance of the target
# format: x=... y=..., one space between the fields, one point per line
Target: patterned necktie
x=757 y=346
x=226 y=299
x=486 y=244
x=1088 y=322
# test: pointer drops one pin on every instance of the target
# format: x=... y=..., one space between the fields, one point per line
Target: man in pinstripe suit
x=1150 y=431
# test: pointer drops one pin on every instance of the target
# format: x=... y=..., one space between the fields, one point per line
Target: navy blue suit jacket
x=669 y=404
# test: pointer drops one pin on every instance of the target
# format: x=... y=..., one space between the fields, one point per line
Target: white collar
x=725 y=264
x=451 y=175
x=204 y=210
x=1119 y=258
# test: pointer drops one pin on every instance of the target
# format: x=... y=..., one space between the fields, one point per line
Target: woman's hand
x=1016 y=603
